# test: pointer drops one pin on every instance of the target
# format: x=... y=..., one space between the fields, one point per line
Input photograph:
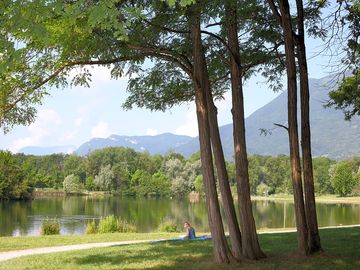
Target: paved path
x=7 y=255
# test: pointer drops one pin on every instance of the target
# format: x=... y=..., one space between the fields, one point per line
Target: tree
x=342 y=178
x=345 y=27
x=283 y=15
x=250 y=245
x=308 y=176
x=72 y=184
x=221 y=253
x=13 y=184
x=104 y=180
x=321 y=175
x=347 y=96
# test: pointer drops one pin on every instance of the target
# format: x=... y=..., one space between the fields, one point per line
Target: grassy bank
x=51 y=192
x=342 y=251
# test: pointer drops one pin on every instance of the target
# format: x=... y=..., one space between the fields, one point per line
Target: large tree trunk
x=310 y=207
x=228 y=202
x=220 y=248
x=250 y=244
x=301 y=224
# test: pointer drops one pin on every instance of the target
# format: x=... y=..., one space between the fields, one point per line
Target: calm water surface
x=24 y=218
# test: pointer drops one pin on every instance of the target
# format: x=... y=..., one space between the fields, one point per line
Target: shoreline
x=319 y=199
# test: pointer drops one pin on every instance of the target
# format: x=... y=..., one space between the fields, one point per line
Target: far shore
x=330 y=198
x=320 y=199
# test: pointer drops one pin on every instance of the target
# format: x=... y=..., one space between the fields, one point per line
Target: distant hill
x=332 y=136
x=158 y=144
x=47 y=150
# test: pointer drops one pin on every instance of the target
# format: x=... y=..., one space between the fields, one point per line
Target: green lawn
x=25 y=242
x=342 y=251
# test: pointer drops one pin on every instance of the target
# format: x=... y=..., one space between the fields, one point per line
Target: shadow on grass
x=164 y=255
x=342 y=251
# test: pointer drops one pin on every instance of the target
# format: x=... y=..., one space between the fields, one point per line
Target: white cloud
x=190 y=126
x=151 y=132
x=78 y=121
x=39 y=131
x=101 y=130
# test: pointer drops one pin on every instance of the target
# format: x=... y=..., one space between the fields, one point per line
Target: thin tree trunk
x=301 y=223
x=228 y=202
x=220 y=248
x=250 y=244
x=310 y=207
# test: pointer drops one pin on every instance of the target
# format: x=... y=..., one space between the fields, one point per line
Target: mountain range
x=331 y=135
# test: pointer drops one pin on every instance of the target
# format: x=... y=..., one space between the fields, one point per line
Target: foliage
x=342 y=178
x=112 y=224
x=322 y=183
x=262 y=190
x=91 y=227
x=104 y=180
x=50 y=226
x=168 y=226
x=139 y=174
x=72 y=184
x=13 y=183
x=277 y=174
x=347 y=96
x=199 y=184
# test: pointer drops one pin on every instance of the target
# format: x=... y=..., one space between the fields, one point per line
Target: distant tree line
x=127 y=172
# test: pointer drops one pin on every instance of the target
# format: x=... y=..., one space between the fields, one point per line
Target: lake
x=25 y=217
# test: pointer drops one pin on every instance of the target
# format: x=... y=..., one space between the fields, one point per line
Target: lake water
x=24 y=218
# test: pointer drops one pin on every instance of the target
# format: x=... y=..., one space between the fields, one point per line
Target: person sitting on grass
x=190 y=232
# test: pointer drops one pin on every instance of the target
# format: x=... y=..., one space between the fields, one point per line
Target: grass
x=25 y=242
x=342 y=251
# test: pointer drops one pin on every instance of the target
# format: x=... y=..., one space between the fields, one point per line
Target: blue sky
x=74 y=115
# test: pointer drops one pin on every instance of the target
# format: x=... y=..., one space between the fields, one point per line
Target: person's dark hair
x=187 y=223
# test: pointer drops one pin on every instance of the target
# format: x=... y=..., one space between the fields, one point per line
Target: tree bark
x=301 y=223
x=250 y=244
x=310 y=207
x=220 y=247
x=228 y=201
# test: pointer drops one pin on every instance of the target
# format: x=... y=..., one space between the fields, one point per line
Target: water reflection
x=24 y=218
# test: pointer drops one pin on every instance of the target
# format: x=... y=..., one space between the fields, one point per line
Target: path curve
x=7 y=255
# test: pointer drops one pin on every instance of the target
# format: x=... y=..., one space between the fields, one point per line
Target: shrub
x=111 y=224
x=50 y=226
x=168 y=226
x=91 y=227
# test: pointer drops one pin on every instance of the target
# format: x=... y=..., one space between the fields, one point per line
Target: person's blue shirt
x=190 y=233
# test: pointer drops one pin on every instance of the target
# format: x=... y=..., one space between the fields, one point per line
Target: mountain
x=332 y=136
x=47 y=150
x=158 y=144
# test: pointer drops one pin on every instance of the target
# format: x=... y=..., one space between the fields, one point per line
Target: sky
x=73 y=116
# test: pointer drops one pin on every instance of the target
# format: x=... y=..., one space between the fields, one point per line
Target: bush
x=111 y=224
x=168 y=226
x=50 y=226
x=91 y=227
